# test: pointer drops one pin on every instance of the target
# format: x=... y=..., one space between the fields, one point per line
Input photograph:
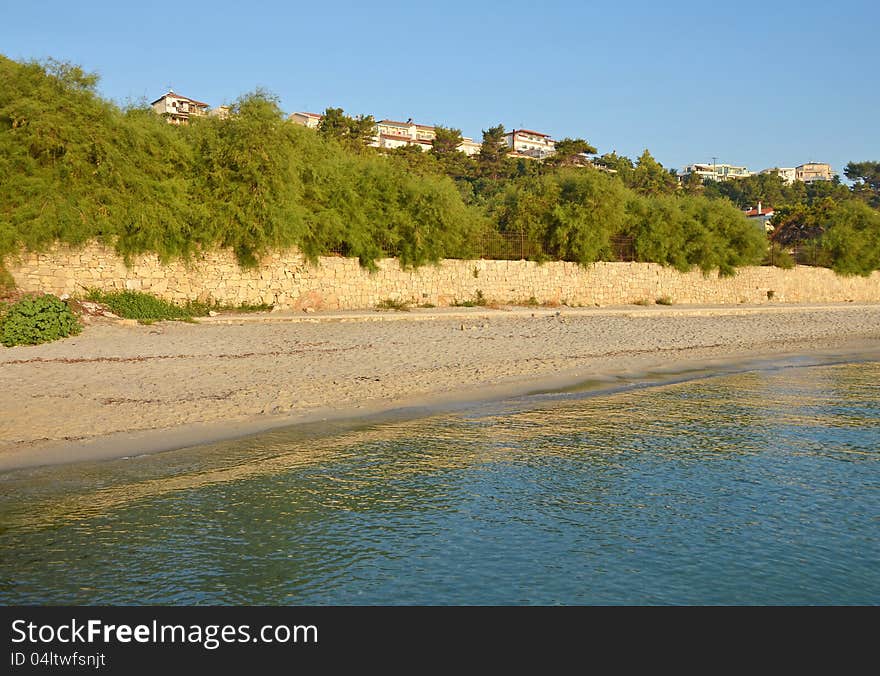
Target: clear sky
x=771 y=83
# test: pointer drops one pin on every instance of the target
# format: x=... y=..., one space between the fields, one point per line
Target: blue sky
x=756 y=83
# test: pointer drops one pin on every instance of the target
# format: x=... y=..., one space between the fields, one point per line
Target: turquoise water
x=756 y=487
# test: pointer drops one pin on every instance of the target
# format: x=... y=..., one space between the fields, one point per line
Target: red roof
x=399 y=124
x=309 y=115
x=764 y=212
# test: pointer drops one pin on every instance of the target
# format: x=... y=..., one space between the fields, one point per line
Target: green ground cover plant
x=37 y=319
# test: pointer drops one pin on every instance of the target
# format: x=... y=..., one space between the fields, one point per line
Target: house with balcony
x=714 y=172
x=813 y=171
x=391 y=134
x=533 y=144
x=178 y=109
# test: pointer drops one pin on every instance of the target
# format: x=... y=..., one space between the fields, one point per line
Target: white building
x=310 y=120
x=178 y=109
x=715 y=172
x=530 y=143
x=788 y=174
x=814 y=171
x=391 y=134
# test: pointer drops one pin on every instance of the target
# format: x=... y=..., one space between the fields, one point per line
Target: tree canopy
x=75 y=167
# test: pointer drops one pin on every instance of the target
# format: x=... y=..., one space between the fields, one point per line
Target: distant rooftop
x=175 y=95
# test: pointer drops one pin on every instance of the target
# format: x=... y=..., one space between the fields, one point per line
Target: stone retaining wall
x=288 y=281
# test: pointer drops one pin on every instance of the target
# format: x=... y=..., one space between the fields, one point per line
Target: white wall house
x=391 y=134
x=762 y=216
x=530 y=143
x=715 y=172
x=310 y=120
x=788 y=174
x=178 y=109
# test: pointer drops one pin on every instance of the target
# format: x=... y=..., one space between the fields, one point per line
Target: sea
x=746 y=485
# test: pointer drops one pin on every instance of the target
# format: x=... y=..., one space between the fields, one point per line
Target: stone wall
x=288 y=281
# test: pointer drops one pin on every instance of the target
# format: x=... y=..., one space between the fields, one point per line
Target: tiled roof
x=764 y=212
x=179 y=96
x=529 y=131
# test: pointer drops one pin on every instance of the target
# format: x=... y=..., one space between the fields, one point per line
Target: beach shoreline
x=119 y=390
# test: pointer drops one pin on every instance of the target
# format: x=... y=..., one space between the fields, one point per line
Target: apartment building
x=715 y=172
x=179 y=109
x=392 y=134
x=310 y=120
x=813 y=171
x=530 y=143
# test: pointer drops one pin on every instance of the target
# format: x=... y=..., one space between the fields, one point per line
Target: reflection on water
x=757 y=487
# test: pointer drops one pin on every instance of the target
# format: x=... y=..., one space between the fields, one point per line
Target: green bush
x=852 y=239
x=144 y=307
x=37 y=319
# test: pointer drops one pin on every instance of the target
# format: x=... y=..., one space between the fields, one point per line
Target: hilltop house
x=391 y=134
x=813 y=171
x=178 y=109
x=806 y=173
x=527 y=143
x=788 y=174
x=310 y=120
x=714 y=172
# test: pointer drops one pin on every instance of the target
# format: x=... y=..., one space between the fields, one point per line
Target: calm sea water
x=757 y=487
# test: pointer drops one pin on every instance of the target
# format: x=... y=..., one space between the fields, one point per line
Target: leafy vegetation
x=37 y=319
x=74 y=167
x=146 y=308
x=479 y=300
x=393 y=304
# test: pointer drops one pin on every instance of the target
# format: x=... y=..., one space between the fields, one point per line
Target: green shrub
x=479 y=300
x=37 y=319
x=146 y=308
x=852 y=239
x=392 y=304
x=780 y=257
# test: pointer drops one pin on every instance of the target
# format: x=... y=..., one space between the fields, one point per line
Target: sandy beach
x=119 y=389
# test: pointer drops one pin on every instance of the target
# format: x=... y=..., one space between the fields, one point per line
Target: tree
x=446 y=148
x=619 y=164
x=692 y=184
x=446 y=140
x=866 y=177
x=354 y=133
x=569 y=152
x=493 y=152
x=650 y=178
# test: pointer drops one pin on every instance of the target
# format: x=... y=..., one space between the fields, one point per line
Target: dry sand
x=119 y=389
